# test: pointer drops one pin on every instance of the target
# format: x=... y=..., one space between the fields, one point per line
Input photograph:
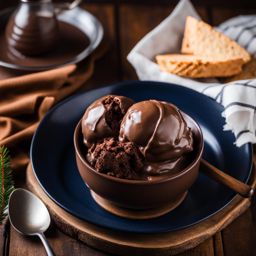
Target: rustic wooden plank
x=135 y=22
x=205 y=248
x=220 y=15
x=61 y=244
x=239 y=237
x=106 y=68
x=4 y=237
x=218 y=244
x=21 y=245
x=71 y=246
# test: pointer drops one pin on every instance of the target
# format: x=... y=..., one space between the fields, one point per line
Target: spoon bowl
x=29 y=216
x=27 y=213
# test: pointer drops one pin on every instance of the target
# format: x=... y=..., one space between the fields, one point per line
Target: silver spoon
x=29 y=216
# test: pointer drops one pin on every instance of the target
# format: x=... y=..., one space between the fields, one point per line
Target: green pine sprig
x=6 y=182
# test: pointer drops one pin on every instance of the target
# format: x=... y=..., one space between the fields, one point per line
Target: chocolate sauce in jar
x=32 y=29
x=71 y=42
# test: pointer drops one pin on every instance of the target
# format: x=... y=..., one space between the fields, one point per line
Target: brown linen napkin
x=24 y=100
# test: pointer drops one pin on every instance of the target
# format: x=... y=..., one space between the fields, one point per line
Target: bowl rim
x=141 y=182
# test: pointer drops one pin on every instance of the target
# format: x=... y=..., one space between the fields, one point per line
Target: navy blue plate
x=53 y=158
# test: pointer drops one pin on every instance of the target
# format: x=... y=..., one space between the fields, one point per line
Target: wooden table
x=125 y=22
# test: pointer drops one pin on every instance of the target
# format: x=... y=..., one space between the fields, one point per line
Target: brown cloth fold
x=24 y=100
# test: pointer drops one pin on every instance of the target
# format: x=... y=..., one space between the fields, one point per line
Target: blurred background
x=127 y=21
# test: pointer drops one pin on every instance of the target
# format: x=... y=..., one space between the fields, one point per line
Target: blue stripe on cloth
x=247 y=28
x=210 y=86
x=220 y=94
x=240 y=104
x=242 y=132
x=249 y=43
x=244 y=22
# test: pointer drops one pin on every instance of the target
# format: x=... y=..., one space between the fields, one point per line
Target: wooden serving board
x=122 y=243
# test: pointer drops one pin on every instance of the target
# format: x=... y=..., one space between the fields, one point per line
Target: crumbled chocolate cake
x=118 y=159
x=114 y=113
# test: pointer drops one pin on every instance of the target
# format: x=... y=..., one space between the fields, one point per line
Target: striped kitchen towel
x=238 y=97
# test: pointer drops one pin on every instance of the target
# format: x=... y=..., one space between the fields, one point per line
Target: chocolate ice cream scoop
x=159 y=129
x=103 y=117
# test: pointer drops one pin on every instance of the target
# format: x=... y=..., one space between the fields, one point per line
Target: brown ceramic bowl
x=140 y=194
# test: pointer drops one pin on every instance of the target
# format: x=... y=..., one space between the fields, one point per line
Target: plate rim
x=113 y=86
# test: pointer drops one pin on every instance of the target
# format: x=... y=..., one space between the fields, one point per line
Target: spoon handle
x=47 y=246
x=241 y=188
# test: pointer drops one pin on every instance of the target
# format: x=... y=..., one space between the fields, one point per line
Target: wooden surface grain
x=239 y=238
x=121 y=243
x=125 y=22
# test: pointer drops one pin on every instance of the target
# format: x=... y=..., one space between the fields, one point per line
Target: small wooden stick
x=241 y=188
